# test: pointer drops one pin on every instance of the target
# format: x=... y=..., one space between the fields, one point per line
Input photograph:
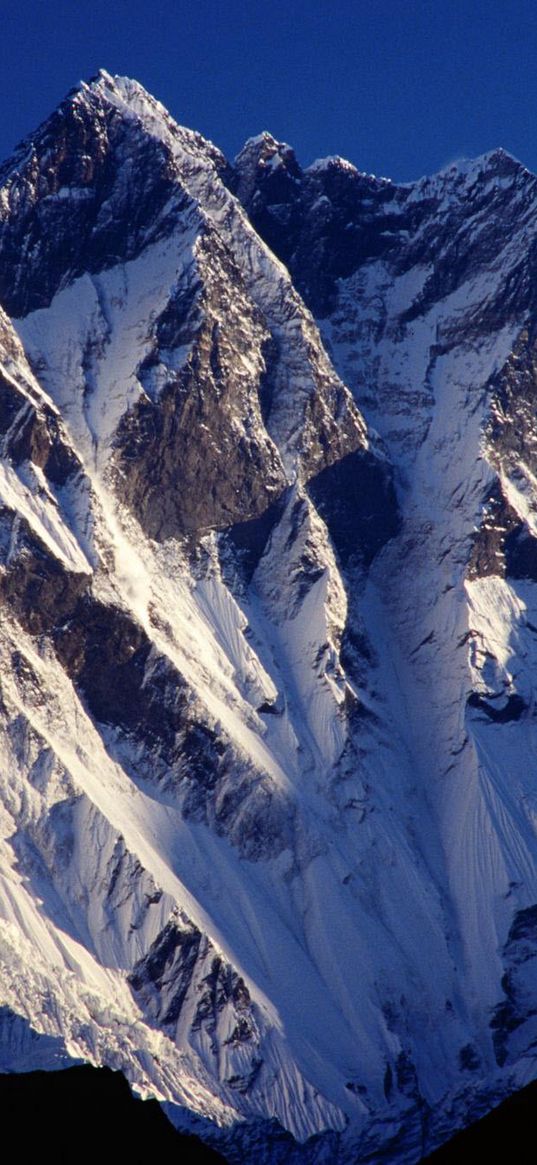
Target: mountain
x=506 y=1133
x=267 y=570
x=97 y=1101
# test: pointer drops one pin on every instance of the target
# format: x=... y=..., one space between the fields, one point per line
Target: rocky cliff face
x=267 y=773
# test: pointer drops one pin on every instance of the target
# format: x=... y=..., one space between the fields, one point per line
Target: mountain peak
x=263 y=159
x=101 y=76
x=91 y=180
x=263 y=139
x=95 y=96
x=127 y=95
x=331 y=162
x=114 y=84
x=497 y=162
x=496 y=168
x=264 y=148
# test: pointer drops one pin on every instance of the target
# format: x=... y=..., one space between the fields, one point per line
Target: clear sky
x=400 y=87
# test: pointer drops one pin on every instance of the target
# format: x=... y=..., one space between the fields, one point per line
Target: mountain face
x=268 y=555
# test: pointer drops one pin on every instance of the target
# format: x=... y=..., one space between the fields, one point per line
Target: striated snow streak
x=426 y=384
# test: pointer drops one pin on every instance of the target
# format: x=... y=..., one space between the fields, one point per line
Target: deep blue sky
x=400 y=87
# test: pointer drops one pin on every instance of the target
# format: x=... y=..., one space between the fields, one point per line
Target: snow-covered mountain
x=268 y=554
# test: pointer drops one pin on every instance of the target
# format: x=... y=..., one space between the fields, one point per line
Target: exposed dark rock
x=250 y=538
x=521 y=553
x=179 y=485
x=329 y=220
x=406 y=1076
x=38 y=438
x=356 y=498
x=163 y=976
x=182 y=962
x=58 y=213
x=107 y=654
x=512 y=427
x=40 y=591
x=355 y=652
x=197 y=457
x=524 y=928
x=102 y=648
x=11 y=403
x=323 y=222
x=513 y=708
x=221 y=985
x=266 y=386
x=243 y=1082
x=498 y=521
x=465 y=237
x=503 y=545
x=127 y=684
x=358 y=1089
x=518 y=983
x=265 y=171
x=469 y=1058
x=34 y=433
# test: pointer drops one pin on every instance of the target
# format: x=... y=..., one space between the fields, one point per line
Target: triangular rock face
x=266 y=728
x=92 y=187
